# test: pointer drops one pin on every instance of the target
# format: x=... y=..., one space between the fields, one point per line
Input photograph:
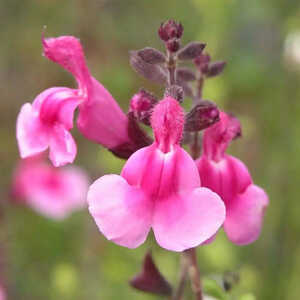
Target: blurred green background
x=41 y=259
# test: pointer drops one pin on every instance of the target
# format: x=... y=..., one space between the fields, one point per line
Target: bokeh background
x=43 y=259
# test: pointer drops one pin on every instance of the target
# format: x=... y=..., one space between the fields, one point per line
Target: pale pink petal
x=245 y=215
x=55 y=193
x=76 y=186
x=32 y=136
x=210 y=240
x=62 y=146
x=122 y=213
x=101 y=120
x=186 y=220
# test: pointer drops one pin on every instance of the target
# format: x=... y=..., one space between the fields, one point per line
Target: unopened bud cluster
x=171 y=32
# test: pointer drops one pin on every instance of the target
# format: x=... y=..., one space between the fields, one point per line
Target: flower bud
x=191 y=51
x=141 y=106
x=201 y=116
x=151 y=55
x=170 y=30
x=173 y=45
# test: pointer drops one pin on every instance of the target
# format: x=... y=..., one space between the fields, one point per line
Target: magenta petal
x=122 y=213
x=240 y=174
x=245 y=215
x=31 y=135
x=101 y=119
x=227 y=177
x=187 y=220
x=62 y=146
x=57 y=106
x=67 y=51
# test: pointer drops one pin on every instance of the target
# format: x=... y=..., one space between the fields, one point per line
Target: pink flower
x=159 y=187
x=52 y=192
x=46 y=122
x=230 y=178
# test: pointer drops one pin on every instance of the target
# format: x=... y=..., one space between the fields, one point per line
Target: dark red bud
x=151 y=55
x=141 y=106
x=156 y=73
x=201 y=116
x=191 y=51
x=150 y=280
x=215 y=68
x=170 y=30
x=185 y=74
x=138 y=139
x=175 y=91
x=173 y=45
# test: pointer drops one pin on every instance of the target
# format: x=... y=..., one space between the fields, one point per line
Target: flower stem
x=171 y=65
x=200 y=84
x=194 y=273
x=182 y=278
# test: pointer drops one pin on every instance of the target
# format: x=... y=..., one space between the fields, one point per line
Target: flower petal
x=122 y=213
x=31 y=135
x=242 y=178
x=67 y=51
x=62 y=146
x=227 y=177
x=55 y=193
x=101 y=119
x=57 y=106
x=161 y=173
x=186 y=220
x=245 y=215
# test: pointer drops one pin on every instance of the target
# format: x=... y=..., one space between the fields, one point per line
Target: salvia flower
x=46 y=122
x=159 y=188
x=229 y=177
x=52 y=192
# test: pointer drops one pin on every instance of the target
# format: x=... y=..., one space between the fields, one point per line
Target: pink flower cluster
x=160 y=187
